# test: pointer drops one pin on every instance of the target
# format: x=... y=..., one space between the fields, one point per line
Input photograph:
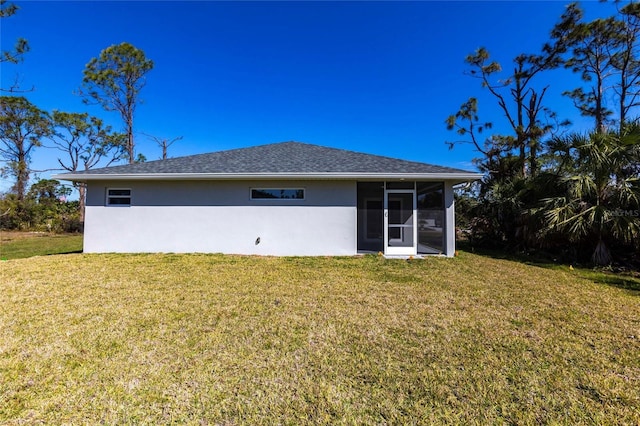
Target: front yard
x=213 y=339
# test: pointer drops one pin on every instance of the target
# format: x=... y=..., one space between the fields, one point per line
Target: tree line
x=547 y=188
x=113 y=80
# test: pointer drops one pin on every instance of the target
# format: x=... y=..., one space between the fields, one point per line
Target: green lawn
x=17 y=245
x=213 y=339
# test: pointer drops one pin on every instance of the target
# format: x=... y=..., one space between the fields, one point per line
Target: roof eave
x=81 y=177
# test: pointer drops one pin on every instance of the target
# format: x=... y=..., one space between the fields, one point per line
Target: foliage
x=22 y=127
x=604 y=52
x=466 y=200
x=85 y=143
x=114 y=80
x=44 y=208
x=48 y=191
x=20 y=47
x=466 y=123
x=85 y=140
x=521 y=104
x=564 y=194
x=212 y=339
x=590 y=44
x=595 y=190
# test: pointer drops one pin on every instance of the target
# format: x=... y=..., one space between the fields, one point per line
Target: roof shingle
x=276 y=158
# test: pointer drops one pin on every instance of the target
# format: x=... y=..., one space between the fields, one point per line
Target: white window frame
x=109 y=197
x=304 y=194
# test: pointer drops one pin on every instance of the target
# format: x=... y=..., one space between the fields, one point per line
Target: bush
x=45 y=208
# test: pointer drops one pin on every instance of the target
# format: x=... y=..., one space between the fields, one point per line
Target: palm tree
x=600 y=201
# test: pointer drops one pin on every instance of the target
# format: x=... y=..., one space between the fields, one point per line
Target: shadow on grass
x=65 y=252
x=516 y=256
x=626 y=282
x=24 y=245
x=622 y=280
x=14 y=256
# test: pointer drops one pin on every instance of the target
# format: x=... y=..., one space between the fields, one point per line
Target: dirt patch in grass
x=212 y=339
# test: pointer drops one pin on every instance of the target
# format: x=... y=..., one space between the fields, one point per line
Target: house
x=283 y=199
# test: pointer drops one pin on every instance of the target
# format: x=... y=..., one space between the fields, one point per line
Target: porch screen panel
x=431 y=216
x=370 y=216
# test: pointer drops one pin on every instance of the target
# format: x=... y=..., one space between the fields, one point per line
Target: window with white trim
x=118 y=197
x=277 y=193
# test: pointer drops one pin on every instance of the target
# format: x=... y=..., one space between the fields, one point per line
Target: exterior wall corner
x=450 y=220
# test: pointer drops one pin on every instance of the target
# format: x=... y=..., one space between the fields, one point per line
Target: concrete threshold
x=404 y=257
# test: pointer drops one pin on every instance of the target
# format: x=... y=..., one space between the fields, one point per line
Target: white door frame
x=396 y=250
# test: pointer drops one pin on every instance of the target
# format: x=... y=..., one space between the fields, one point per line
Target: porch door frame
x=400 y=250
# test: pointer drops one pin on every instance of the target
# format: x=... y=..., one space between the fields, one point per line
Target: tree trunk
x=519 y=98
x=601 y=255
x=533 y=160
x=130 y=144
x=22 y=176
x=82 y=190
x=599 y=109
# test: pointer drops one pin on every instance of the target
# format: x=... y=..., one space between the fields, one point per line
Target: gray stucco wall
x=219 y=216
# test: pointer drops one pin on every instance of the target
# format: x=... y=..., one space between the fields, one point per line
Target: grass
x=18 y=245
x=627 y=278
x=213 y=339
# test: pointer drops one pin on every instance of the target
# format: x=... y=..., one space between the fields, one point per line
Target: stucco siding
x=224 y=193
x=212 y=217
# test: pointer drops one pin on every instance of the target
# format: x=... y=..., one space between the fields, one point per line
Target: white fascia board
x=461 y=177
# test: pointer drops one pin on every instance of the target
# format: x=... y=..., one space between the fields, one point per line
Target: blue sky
x=377 y=77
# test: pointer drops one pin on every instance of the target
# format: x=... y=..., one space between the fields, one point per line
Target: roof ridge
x=277 y=158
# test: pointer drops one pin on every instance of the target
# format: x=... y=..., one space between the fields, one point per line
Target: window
x=118 y=197
x=277 y=194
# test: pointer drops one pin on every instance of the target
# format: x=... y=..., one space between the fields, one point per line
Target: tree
x=627 y=64
x=48 y=191
x=594 y=205
x=604 y=52
x=521 y=104
x=164 y=143
x=85 y=142
x=22 y=127
x=563 y=195
x=590 y=44
x=114 y=81
x=47 y=207
x=21 y=46
x=467 y=123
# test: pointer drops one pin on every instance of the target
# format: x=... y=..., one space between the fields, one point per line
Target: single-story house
x=285 y=199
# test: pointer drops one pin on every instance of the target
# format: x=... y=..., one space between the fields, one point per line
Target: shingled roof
x=285 y=159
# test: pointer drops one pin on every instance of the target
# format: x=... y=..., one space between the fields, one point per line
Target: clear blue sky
x=377 y=77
